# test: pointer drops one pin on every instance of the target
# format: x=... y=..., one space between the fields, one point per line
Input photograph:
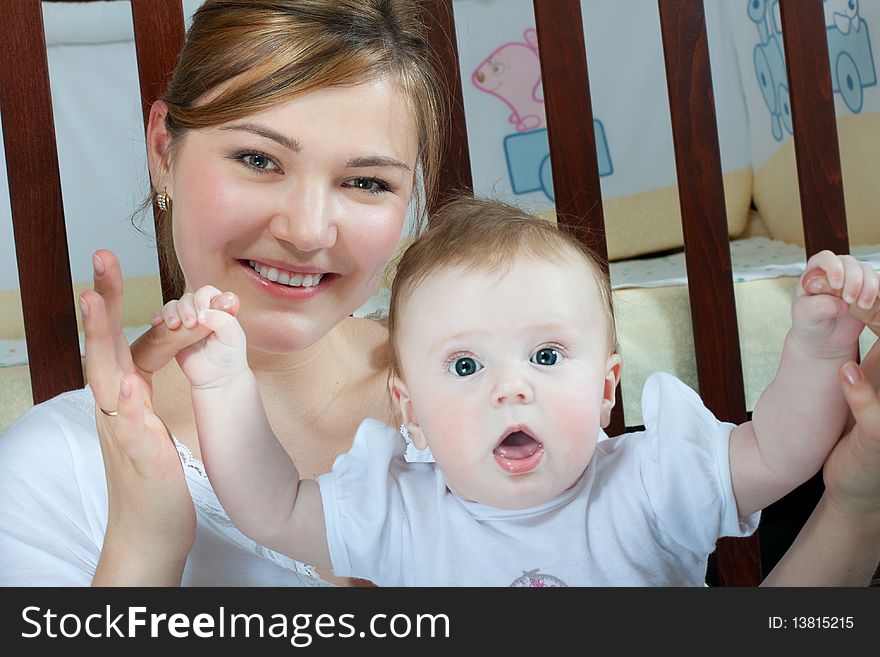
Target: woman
x=285 y=149
x=284 y=152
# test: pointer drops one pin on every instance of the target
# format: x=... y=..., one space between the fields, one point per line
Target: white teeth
x=285 y=277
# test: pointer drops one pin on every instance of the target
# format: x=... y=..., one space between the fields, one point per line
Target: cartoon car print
x=528 y=160
x=849 y=49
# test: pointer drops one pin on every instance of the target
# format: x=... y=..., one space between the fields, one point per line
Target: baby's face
x=506 y=376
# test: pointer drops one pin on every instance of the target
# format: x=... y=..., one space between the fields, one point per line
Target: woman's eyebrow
x=268 y=133
x=375 y=161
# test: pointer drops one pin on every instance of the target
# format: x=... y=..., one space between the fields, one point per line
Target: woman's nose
x=305 y=220
x=512 y=388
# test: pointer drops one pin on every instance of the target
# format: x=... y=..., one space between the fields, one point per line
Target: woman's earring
x=163 y=201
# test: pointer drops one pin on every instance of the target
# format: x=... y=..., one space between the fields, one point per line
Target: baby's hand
x=836 y=297
x=815 y=282
x=221 y=355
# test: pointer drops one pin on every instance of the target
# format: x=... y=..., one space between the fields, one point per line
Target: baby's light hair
x=485 y=235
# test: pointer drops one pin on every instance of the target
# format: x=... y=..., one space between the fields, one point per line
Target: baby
x=504 y=363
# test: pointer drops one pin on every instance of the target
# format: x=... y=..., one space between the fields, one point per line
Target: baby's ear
x=609 y=395
x=400 y=393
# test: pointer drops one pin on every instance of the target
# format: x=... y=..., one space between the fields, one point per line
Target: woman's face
x=296 y=209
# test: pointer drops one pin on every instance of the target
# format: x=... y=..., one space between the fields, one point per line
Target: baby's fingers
x=831 y=265
x=814 y=309
x=870 y=286
x=225 y=326
x=861 y=287
x=181 y=312
x=170 y=315
x=210 y=297
x=854 y=278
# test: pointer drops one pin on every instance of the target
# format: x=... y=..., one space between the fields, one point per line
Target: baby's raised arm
x=254 y=477
x=802 y=413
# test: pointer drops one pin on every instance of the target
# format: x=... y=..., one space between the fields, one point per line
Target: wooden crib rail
x=706 y=244
x=571 y=135
x=158 y=38
x=814 y=126
x=455 y=168
x=35 y=199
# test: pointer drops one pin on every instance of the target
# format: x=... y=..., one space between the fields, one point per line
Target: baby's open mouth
x=518 y=452
x=517 y=445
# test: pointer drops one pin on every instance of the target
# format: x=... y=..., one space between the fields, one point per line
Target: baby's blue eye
x=464 y=366
x=547 y=356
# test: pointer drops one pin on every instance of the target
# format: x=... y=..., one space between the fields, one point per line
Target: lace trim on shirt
x=207 y=501
x=205 y=498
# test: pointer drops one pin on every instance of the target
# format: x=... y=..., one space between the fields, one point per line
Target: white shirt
x=53 y=509
x=646 y=512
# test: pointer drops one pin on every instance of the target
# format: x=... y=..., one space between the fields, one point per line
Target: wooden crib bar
x=814 y=126
x=572 y=139
x=455 y=169
x=158 y=32
x=706 y=244
x=35 y=199
x=703 y=212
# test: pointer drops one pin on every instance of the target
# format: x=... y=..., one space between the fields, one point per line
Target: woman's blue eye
x=258 y=161
x=464 y=367
x=547 y=356
x=371 y=185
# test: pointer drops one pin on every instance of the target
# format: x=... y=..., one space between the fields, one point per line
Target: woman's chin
x=285 y=337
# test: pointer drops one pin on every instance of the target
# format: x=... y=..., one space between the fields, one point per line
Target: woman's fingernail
x=852 y=373
x=97 y=264
x=156 y=319
x=83 y=307
x=124 y=389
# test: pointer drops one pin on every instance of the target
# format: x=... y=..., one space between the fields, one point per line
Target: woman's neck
x=305 y=379
x=313 y=397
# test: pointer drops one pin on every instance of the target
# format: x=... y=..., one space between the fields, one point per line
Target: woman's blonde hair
x=486 y=236
x=266 y=52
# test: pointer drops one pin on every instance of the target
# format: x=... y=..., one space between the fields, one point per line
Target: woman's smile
x=285 y=283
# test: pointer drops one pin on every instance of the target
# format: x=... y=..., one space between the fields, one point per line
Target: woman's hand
x=852 y=470
x=151 y=519
x=840 y=543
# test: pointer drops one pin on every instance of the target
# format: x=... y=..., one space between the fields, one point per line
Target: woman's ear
x=609 y=395
x=159 y=146
x=400 y=393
